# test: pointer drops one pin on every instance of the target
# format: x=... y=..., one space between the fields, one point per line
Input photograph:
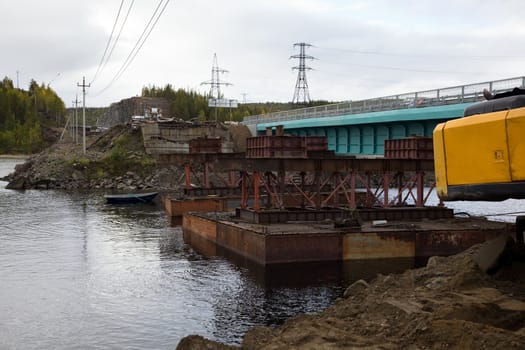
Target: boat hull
x=130 y=198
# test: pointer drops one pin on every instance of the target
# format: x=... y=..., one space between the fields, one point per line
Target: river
x=76 y=273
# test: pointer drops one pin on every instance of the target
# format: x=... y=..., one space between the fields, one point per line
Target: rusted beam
x=256 y=184
x=366 y=214
x=187 y=175
x=244 y=191
x=206 y=173
x=237 y=161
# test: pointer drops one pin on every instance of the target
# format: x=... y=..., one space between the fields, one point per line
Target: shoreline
x=14 y=156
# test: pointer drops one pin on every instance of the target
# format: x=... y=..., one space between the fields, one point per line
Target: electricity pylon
x=301 y=93
x=215 y=82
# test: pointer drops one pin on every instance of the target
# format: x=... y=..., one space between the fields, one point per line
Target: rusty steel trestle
x=351 y=190
x=207 y=171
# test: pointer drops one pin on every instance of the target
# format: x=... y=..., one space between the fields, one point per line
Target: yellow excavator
x=482 y=157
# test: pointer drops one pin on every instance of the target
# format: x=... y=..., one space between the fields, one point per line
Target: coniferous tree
x=25 y=114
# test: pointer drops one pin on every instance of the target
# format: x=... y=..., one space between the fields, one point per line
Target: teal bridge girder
x=361 y=127
x=365 y=134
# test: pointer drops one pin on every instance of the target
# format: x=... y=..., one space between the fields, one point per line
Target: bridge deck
x=361 y=127
x=438 y=97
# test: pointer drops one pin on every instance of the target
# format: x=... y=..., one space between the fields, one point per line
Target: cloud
x=363 y=48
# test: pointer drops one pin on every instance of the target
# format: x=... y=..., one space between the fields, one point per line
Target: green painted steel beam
x=398 y=115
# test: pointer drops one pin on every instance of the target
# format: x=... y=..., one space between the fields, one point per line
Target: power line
x=133 y=51
x=384 y=53
x=147 y=35
x=118 y=35
x=109 y=41
x=410 y=69
x=138 y=45
x=394 y=68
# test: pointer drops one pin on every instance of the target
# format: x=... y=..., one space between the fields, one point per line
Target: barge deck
x=315 y=241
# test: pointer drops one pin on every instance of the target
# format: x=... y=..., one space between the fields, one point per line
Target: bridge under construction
x=331 y=183
x=361 y=127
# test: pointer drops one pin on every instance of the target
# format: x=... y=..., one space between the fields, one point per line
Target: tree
x=189 y=104
x=25 y=114
x=7 y=83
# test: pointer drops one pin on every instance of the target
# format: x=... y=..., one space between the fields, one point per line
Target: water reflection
x=76 y=273
x=335 y=273
x=268 y=295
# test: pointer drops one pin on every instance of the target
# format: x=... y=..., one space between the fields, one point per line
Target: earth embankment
x=449 y=304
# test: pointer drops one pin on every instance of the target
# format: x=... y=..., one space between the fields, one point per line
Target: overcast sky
x=363 y=48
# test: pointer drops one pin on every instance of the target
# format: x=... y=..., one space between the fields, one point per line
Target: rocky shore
x=449 y=304
x=44 y=171
x=115 y=160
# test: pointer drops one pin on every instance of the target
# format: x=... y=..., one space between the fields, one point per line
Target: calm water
x=76 y=273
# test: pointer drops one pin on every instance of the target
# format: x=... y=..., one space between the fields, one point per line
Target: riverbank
x=115 y=160
x=449 y=304
x=14 y=156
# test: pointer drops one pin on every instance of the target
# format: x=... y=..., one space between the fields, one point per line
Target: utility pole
x=244 y=94
x=83 y=86
x=17 y=72
x=301 y=86
x=215 y=83
x=76 y=102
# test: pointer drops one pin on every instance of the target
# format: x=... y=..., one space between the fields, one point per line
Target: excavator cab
x=482 y=155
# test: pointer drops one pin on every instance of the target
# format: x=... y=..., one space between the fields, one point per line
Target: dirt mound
x=239 y=134
x=105 y=141
x=449 y=304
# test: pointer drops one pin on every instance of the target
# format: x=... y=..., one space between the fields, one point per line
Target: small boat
x=130 y=198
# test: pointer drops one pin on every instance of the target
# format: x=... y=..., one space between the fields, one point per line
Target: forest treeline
x=189 y=104
x=26 y=116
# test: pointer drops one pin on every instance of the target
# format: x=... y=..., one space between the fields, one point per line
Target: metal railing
x=437 y=97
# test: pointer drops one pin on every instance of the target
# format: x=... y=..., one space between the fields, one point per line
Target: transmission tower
x=215 y=82
x=301 y=93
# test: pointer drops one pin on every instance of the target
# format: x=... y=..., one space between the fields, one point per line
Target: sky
x=363 y=48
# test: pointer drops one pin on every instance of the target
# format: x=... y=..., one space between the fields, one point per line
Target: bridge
x=361 y=127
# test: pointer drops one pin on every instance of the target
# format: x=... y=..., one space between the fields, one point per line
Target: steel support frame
x=382 y=189
x=207 y=171
x=317 y=187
